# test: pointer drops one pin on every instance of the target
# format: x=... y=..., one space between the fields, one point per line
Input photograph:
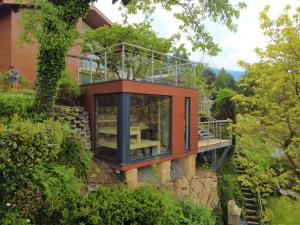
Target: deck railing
x=130 y=62
x=216 y=130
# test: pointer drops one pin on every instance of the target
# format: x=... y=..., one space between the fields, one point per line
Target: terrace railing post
x=152 y=67
x=123 y=61
x=105 y=66
x=176 y=72
x=91 y=73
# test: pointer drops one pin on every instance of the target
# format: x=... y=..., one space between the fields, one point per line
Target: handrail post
x=105 y=66
x=152 y=67
x=123 y=61
x=176 y=72
x=91 y=74
x=78 y=70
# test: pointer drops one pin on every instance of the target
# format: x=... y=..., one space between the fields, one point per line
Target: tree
x=209 y=75
x=225 y=80
x=53 y=24
x=138 y=62
x=224 y=107
x=192 y=15
x=275 y=85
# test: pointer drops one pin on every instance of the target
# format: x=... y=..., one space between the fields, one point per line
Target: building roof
x=95 y=18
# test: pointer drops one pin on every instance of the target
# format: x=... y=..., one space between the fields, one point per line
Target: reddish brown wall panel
x=5 y=38
x=178 y=110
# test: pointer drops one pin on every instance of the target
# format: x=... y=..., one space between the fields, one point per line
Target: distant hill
x=235 y=73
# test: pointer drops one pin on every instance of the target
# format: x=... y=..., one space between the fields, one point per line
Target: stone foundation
x=131 y=178
x=164 y=169
x=188 y=165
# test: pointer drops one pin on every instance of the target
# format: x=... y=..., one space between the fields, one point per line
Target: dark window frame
x=169 y=152
x=187 y=124
x=123 y=126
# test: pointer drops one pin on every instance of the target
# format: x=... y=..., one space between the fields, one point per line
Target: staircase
x=205 y=134
x=250 y=205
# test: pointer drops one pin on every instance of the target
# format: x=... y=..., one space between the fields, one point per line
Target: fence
x=130 y=62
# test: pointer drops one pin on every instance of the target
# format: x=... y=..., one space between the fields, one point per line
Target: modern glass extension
x=132 y=127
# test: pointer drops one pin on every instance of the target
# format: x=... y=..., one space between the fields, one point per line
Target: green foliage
x=225 y=80
x=14 y=219
x=285 y=210
x=53 y=24
x=192 y=17
x=24 y=144
x=273 y=85
x=23 y=82
x=74 y=155
x=55 y=179
x=228 y=188
x=16 y=102
x=224 y=107
x=68 y=90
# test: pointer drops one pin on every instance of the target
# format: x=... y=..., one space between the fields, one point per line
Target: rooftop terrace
x=130 y=62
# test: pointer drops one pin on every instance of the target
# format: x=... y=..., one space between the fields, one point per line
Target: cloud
x=235 y=46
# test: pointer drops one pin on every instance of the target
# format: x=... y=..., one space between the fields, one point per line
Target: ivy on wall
x=53 y=24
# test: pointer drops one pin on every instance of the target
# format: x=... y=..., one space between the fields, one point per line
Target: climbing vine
x=53 y=24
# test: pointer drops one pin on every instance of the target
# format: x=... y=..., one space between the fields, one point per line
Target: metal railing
x=212 y=129
x=131 y=62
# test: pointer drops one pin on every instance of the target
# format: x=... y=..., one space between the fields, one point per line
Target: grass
x=285 y=211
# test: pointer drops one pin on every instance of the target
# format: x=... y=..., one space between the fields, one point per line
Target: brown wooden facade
x=177 y=95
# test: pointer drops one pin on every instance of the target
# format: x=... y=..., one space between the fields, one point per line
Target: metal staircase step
x=251 y=212
x=248 y=195
x=249 y=200
x=244 y=189
x=253 y=223
x=253 y=218
x=250 y=206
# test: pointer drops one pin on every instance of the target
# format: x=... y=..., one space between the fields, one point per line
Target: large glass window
x=149 y=126
x=187 y=124
x=106 y=127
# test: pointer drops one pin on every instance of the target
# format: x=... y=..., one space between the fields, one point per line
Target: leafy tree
x=192 y=16
x=275 y=83
x=53 y=24
x=224 y=107
x=225 y=80
x=138 y=62
x=209 y=75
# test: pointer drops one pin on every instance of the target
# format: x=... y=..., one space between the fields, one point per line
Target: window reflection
x=149 y=126
x=106 y=127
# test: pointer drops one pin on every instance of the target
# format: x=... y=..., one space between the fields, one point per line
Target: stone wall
x=201 y=187
x=78 y=119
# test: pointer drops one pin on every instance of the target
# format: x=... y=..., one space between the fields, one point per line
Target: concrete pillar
x=131 y=178
x=234 y=213
x=188 y=165
x=164 y=169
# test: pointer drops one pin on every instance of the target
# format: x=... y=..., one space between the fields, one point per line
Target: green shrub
x=73 y=154
x=23 y=82
x=68 y=90
x=25 y=144
x=16 y=102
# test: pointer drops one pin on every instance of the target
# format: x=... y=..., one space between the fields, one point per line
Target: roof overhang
x=95 y=18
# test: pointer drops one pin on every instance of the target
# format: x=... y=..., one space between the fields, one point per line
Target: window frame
x=187 y=124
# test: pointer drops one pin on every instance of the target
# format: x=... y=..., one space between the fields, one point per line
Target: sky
x=235 y=46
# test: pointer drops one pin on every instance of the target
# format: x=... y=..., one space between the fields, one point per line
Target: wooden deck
x=210 y=144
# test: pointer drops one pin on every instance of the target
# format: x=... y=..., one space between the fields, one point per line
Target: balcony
x=130 y=62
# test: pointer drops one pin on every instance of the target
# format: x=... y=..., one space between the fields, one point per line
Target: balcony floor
x=210 y=144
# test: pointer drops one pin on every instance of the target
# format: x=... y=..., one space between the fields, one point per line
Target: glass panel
x=106 y=127
x=149 y=126
x=187 y=124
